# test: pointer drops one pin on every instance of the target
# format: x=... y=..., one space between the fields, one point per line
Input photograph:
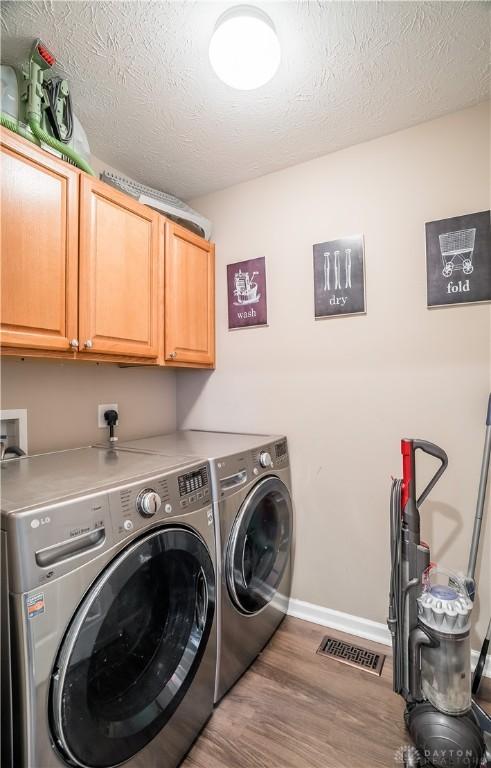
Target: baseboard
x=354 y=625
x=345 y=622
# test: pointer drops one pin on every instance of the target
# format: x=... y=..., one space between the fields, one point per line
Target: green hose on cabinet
x=9 y=122
x=39 y=135
x=34 y=103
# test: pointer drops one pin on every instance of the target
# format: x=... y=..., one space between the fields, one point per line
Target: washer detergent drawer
x=48 y=543
x=78 y=545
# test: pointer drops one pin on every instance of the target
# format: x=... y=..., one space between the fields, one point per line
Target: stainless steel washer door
x=259 y=545
x=132 y=649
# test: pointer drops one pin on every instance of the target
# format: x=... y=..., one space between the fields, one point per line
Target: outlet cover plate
x=101 y=409
x=14 y=425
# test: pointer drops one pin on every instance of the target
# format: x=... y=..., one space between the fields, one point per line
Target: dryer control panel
x=281 y=452
x=233 y=472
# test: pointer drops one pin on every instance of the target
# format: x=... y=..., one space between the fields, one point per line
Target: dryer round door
x=133 y=648
x=259 y=545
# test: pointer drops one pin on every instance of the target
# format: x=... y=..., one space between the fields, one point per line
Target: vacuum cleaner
x=38 y=107
x=430 y=620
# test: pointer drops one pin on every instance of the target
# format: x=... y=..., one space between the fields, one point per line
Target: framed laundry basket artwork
x=458 y=260
x=246 y=287
x=339 y=277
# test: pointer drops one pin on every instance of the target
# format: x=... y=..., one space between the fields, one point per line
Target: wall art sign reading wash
x=339 y=277
x=246 y=284
x=458 y=259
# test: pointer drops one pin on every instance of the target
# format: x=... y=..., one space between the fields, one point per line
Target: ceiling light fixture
x=244 y=49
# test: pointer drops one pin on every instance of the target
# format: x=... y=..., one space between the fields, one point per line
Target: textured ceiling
x=152 y=107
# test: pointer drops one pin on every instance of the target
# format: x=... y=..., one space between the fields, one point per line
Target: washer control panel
x=158 y=498
x=148 y=502
x=192 y=481
x=51 y=540
x=193 y=487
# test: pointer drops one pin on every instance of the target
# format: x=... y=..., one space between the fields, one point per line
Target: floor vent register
x=353 y=655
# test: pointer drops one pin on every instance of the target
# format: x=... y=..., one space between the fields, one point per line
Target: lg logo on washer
x=40 y=521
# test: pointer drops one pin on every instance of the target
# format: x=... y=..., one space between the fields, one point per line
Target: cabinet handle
x=173 y=355
x=74 y=343
x=89 y=344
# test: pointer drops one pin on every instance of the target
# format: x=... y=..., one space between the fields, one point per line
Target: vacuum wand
x=410 y=559
x=481 y=496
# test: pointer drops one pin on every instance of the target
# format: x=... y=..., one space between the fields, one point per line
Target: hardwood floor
x=296 y=709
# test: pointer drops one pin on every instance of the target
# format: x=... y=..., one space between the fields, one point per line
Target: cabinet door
x=119 y=273
x=39 y=247
x=189 y=298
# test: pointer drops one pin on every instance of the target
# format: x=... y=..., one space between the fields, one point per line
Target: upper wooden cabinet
x=39 y=248
x=189 y=327
x=119 y=285
x=88 y=272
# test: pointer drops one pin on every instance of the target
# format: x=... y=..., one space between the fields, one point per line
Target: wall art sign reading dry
x=246 y=285
x=458 y=259
x=339 y=277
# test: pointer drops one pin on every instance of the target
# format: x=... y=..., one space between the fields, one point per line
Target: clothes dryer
x=253 y=510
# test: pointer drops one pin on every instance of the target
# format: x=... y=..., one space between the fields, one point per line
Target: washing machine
x=253 y=510
x=108 y=608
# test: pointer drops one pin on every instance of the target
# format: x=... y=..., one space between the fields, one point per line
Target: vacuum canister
x=444 y=614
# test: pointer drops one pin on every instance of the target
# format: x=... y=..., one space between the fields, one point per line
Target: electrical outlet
x=101 y=409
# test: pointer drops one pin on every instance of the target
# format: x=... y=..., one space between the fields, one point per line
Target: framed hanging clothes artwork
x=246 y=288
x=339 y=277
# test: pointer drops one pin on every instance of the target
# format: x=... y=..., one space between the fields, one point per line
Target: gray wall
x=345 y=390
x=62 y=399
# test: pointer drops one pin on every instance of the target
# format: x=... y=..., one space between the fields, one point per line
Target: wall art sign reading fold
x=246 y=287
x=458 y=259
x=339 y=277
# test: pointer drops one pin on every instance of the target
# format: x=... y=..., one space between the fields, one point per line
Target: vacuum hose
x=39 y=135
x=13 y=125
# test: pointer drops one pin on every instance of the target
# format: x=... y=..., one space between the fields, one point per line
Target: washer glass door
x=259 y=545
x=133 y=648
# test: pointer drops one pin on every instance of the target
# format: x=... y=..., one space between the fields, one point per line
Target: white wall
x=346 y=390
x=62 y=398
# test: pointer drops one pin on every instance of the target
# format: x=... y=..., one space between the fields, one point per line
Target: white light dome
x=244 y=49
